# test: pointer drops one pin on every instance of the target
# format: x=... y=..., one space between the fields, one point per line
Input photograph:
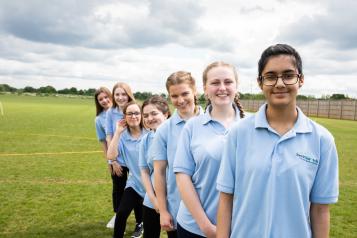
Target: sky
x=92 y=43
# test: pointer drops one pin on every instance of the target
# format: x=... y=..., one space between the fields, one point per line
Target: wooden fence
x=337 y=109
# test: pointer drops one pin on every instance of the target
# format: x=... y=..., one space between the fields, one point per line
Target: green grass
x=69 y=195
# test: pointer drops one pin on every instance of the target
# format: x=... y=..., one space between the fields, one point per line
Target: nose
x=180 y=100
x=222 y=86
x=280 y=83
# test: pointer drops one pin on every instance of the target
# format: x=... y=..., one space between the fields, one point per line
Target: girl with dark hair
x=155 y=111
x=279 y=171
x=103 y=102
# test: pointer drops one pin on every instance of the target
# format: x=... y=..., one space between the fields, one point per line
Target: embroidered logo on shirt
x=307 y=159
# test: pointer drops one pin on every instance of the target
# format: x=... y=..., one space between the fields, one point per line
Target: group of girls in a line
x=211 y=173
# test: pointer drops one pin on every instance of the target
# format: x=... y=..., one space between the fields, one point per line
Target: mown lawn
x=54 y=181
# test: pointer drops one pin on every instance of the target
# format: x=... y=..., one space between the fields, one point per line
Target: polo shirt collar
x=127 y=136
x=206 y=118
x=177 y=119
x=301 y=125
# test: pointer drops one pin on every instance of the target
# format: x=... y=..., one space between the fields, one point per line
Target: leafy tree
x=48 y=89
x=338 y=96
x=29 y=89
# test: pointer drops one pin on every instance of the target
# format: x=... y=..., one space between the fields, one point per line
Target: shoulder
x=244 y=124
x=321 y=132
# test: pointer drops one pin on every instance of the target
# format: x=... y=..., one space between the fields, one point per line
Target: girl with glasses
x=279 y=169
x=124 y=147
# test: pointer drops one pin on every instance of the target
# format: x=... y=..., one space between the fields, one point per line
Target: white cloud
x=92 y=43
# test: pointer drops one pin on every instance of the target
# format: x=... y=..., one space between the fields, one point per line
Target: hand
x=117 y=169
x=210 y=231
x=121 y=125
x=166 y=221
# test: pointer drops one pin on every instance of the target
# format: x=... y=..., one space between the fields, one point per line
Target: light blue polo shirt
x=198 y=155
x=100 y=125
x=274 y=178
x=146 y=161
x=113 y=115
x=164 y=148
x=129 y=152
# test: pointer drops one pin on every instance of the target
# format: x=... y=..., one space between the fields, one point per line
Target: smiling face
x=182 y=97
x=133 y=116
x=220 y=86
x=120 y=97
x=281 y=95
x=153 y=117
x=104 y=100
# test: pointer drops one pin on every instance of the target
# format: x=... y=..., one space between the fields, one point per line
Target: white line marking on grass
x=52 y=153
x=48 y=135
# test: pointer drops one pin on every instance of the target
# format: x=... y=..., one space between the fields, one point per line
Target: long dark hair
x=100 y=90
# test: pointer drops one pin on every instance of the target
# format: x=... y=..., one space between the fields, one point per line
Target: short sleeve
x=159 y=144
x=120 y=157
x=226 y=174
x=99 y=129
x=184 y=161
x=109 y=123
x=325 y=188
x=143 y=153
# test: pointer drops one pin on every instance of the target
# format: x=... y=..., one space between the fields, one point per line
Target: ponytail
x=239 y=105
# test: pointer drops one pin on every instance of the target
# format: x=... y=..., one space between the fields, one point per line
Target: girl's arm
x=190 y=197
x=224 y=215
x=166 y=220
x=320 y=220
x=145 y=177
x=113 y=148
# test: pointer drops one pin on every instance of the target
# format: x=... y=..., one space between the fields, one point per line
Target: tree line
x=143 y=95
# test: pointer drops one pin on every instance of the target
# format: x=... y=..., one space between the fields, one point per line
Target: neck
x=119 y=108
x=187 y=115
x=282 y=119
x=135 y=131
x=224 y=114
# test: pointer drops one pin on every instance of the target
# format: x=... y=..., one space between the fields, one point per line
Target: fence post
x=318 y=107
x=341 y=109
x=329 y=105
x=354 y=113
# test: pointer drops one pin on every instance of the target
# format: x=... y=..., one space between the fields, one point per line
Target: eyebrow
x=285 y=71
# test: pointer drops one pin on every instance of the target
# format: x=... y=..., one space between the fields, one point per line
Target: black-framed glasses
x=131 y=114
x=272 y=79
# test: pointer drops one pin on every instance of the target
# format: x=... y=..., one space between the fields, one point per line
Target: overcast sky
x=92 y=43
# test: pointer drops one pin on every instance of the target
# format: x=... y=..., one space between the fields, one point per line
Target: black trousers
x=182 y=233
x=130 y=200
x=151 y=223
x=172 y=234
x=119 y=183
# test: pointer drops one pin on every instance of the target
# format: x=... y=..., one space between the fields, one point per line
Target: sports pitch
x=54 y=180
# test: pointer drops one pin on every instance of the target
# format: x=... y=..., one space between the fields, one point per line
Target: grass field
x=54 y=183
